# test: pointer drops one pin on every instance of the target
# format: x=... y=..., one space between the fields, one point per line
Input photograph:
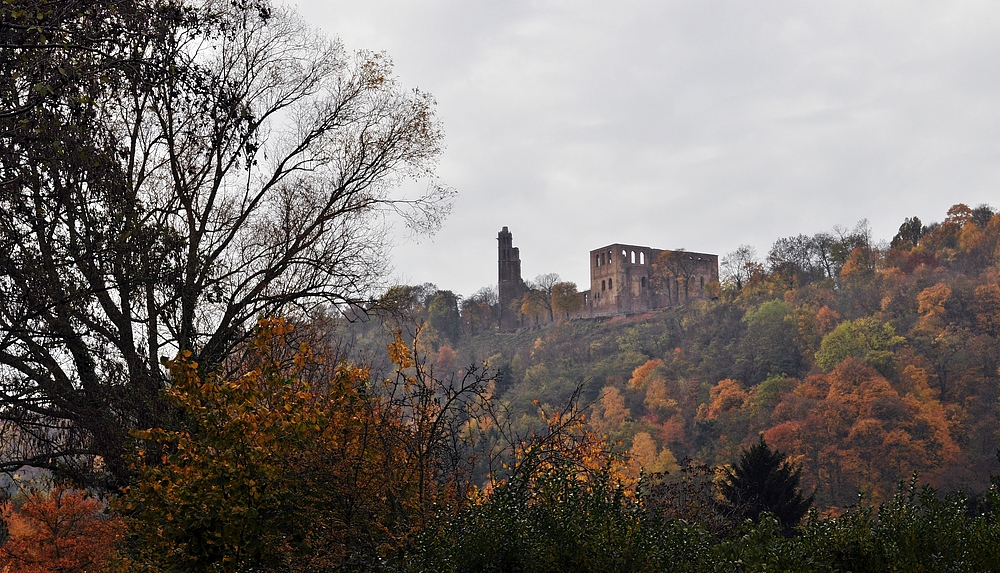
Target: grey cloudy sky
x=694 y=124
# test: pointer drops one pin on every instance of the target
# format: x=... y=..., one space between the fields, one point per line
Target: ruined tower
x=510 y=285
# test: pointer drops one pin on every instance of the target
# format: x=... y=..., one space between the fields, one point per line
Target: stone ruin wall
x=622 y=280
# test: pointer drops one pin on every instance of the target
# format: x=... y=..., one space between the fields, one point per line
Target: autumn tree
x=939 y=339
x=793 y=258
x=566 y=299
x=407 y=302
x=848 y=241
x=274 y=471
x=610 y=412
x=58 y=530
x=480 y=311
x=189 y=168
x=650 y=457
x=674 y=270
x=534 y=304
x=539 y=297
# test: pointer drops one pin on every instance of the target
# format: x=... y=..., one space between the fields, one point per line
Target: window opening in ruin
x=702 y=280
x=633 y=257
x=642 y=258
x=609 y=285
x=624 y=254
x=642 y=281
x=602 y=285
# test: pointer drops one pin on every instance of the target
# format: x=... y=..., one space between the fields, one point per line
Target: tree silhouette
x=191 y=167
x=763 y=481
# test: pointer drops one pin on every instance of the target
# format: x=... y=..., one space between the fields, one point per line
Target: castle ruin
x=510 y=285
x=629 y=279
x=624 y=279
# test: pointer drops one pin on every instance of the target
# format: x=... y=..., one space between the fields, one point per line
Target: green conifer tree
x=764 y=481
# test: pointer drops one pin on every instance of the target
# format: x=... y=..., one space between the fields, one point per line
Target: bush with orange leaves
x=566 y=445
x=60 y=530
x=272 y=472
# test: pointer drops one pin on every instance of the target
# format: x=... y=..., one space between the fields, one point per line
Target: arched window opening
x=624 y=254
x=633 y=257
x=642 y=258
x=602 y=285
x=609 y=285
x=702 y=280
x=642 y=282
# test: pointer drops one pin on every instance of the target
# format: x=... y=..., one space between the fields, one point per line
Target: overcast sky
x=692 y=124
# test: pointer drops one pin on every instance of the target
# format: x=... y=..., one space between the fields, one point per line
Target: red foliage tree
x=62 y=531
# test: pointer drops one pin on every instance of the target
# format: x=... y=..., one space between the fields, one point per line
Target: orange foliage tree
x=272 y=471
x=564 y=448
x=62 y=530
x=854 y=430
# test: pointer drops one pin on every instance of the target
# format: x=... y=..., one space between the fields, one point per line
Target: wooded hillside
x=866 y=362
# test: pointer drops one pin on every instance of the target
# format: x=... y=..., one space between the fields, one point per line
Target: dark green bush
x=559 y=523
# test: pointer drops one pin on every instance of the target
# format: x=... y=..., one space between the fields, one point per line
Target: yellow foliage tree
x=658 y=400
x=644 y=451
x=610 y=412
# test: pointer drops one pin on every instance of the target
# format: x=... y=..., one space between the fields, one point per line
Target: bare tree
x=739 y=266
x=543 y=285
x=235 y=165
x=822 y=244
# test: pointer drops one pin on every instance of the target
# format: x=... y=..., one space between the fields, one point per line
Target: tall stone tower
x=510 y=285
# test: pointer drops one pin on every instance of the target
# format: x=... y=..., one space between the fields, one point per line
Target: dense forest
x=865 y=362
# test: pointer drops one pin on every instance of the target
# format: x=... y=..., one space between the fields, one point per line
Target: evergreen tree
x=764 y=481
